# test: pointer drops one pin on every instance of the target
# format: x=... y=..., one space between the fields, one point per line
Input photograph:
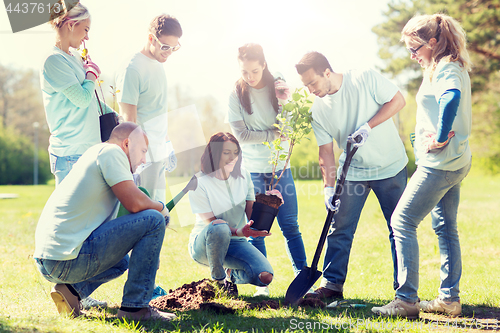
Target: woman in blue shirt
x=443 y=159
x=253 y=108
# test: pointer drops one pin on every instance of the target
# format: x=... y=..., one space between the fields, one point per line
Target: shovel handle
x=191 y=186
x=338 y=190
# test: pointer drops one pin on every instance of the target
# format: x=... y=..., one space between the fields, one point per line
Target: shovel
x=309 y=275
x=191 y=186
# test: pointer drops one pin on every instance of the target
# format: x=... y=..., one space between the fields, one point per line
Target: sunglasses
x=165 y=47
x=414 y=51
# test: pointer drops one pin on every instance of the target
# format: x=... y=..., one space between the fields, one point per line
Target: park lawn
x=26 y=306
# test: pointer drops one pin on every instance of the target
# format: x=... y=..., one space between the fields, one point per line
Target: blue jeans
x=60 y=166
x=104 y=257
x=352 y=201
x=436 y=192
x=287 y=217
x=216 y=248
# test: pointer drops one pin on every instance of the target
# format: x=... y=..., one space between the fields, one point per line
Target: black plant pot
x=107 y=122
x=263 y=216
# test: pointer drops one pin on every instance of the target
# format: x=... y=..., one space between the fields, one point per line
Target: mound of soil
x=188 y=297
x=198 y=295
x=312 y=303
x=269 y=200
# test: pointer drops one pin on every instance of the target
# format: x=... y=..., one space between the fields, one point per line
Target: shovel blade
x=301 y=284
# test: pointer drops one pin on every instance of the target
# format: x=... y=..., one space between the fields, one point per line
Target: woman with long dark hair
x=253 y=107
x=223 y=204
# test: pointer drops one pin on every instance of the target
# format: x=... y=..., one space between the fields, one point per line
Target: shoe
x=438 y=305
x=148 y=313
x=398 y=308
x=88 y=302
x=158 y=292
x=230 y=288
x=261 y=291
x=326 y=293
x=65 y=301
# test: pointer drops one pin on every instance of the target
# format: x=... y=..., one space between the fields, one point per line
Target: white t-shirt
x=226 y=199
x=81 y=203
x=72 y=129
x=336 y=116
x=256 y=155
x=457 y=154
x=143 y=83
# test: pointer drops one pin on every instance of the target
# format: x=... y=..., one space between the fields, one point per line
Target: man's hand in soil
x=247 y=232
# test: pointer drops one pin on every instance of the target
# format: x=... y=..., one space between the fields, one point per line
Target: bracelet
x=242 y=234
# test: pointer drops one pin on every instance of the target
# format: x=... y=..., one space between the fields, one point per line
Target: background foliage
x=481 y=21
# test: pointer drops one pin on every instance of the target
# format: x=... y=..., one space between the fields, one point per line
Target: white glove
x=165 y=213
x=171 y=159
x=329 y=193
x=362 y=133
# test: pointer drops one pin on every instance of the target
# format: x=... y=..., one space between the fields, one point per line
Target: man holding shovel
x=356 y=106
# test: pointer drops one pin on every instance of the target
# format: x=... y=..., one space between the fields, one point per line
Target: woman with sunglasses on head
x=223 y=204
x=253 y=107
x=68 y=83
x=443 y=157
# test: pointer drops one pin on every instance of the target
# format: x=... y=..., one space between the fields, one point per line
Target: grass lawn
x=26 y=306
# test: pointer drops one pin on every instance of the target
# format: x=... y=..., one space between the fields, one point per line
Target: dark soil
x=199 y=295
x=269 y=200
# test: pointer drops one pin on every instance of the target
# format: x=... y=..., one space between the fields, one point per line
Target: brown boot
x=65 y=301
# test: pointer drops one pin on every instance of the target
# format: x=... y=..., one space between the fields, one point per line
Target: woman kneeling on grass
x=223 y=203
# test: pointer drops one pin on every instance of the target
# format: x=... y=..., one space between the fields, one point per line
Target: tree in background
x=21 y=107
x=481 y=21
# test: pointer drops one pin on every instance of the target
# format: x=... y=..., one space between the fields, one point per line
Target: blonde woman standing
x=443 y=159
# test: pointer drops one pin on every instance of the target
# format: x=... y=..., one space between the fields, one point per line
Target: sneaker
x=230 y=288
x=88 y=302
x=326 y=293
x=261 y=291
x=438 y=305
x=158 y=292
x=398 y=308
x=148 y=313
x=66 y=302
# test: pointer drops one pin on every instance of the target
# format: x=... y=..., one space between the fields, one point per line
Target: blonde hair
x=450 y=38
x=60 y=15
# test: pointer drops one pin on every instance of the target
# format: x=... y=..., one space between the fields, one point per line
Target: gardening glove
x=329 y=193
x=165 y=213
x=361 y=133
x=91 y=67
x=171 y=159
x=430 y=142
x=281 y=89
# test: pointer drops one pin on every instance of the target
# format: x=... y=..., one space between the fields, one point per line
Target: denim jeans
x=352 y=201
x=60 y=166
x=436 y=192
x=287 y=217
x=217 y=249
x=104 y=257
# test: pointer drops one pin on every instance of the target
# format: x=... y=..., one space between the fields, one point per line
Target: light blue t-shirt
x=457 y=154
x=81 y=203
x=72 y=129
x=143 y=83
x=336 y=116
x=256 y=155
x=226 y=199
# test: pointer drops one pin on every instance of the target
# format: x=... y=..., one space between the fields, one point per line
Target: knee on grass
x=265 y=277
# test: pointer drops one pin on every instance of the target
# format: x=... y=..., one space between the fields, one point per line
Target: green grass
x=25 y=304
